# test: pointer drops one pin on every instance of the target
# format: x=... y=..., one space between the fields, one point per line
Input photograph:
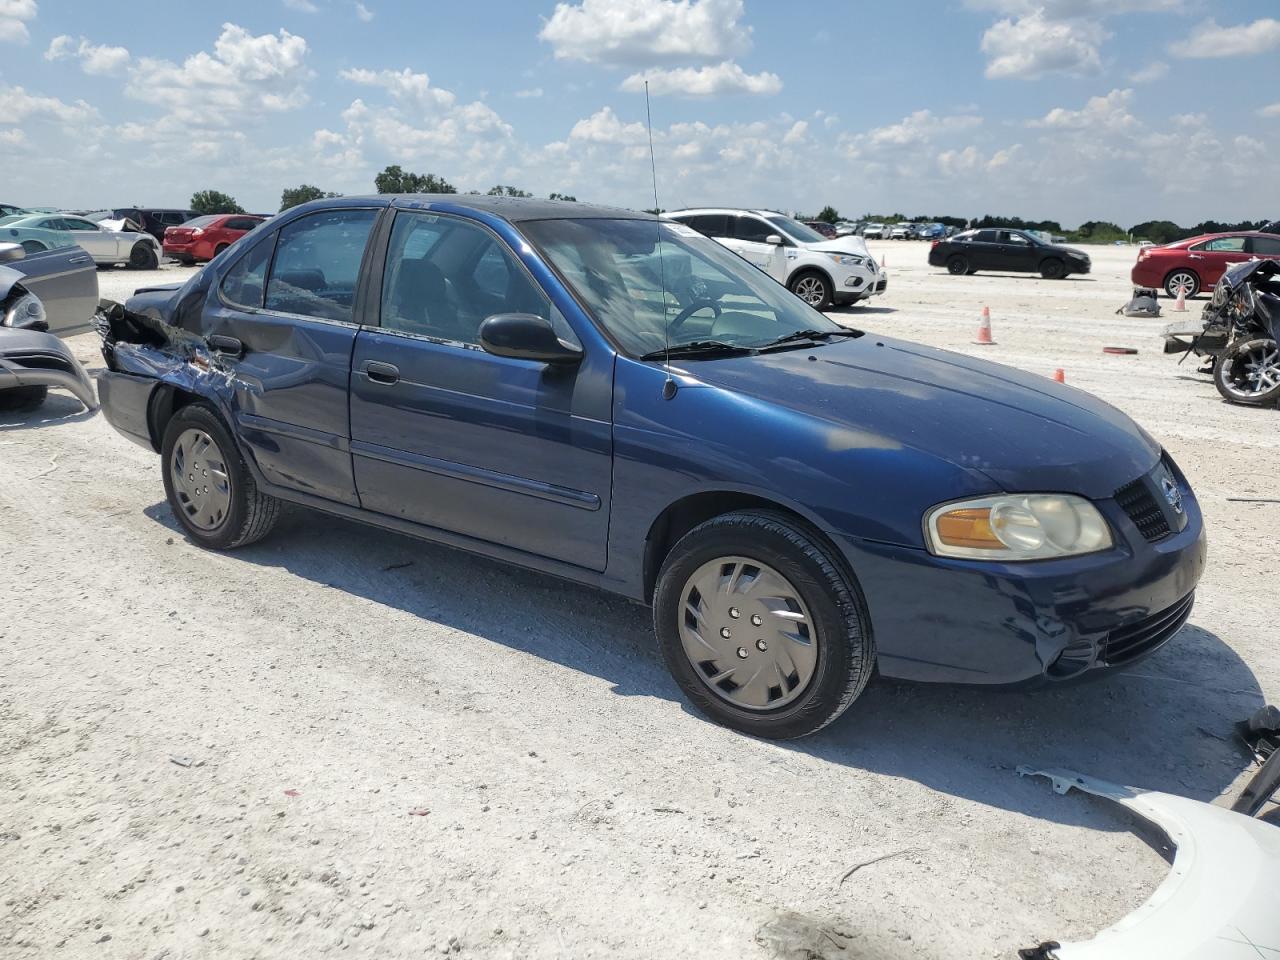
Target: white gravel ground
x=397 y=750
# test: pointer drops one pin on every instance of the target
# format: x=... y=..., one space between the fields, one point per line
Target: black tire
x=958 y=266
x=22 y=398
x=813 y=288
x=219 y=248
x=1231 y=372
x=186 y=259
x=845 y=654
x=143 y=257
x=251 y=514
x=1053 y=269
x=1189 y=279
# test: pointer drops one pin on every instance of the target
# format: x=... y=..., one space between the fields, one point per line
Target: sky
x=1072 y=110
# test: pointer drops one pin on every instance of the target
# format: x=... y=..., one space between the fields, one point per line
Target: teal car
x=22 y=230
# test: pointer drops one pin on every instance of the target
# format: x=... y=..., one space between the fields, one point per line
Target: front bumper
x=29 y=358
x=1026 y=624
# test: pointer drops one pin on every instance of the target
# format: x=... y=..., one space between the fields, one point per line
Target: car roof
x=513 y=209
x=752 y=210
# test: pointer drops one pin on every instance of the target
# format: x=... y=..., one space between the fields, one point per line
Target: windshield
x=615 y=269
x=795 y=229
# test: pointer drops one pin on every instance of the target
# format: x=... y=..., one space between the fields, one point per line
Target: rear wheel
x=143 y=257
x=1053 y=269
x=209 y=487
x=813 y=288
x=958 y=266
x=219 y=248
x=1181 y=281
x=1249 y=372
x=760 y=628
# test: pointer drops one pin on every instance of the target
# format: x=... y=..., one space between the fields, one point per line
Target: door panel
x=514 y=452
x=66 y=280
x=289 y=384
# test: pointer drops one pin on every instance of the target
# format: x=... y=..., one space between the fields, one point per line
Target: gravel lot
x=397 y=750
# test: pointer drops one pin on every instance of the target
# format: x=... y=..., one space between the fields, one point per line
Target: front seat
x=420 y=303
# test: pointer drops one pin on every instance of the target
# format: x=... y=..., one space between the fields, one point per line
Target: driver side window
x=753 y=229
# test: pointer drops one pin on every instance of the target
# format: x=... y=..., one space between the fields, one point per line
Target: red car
x=824 y=228
x=1196 y=264
x=205 y=237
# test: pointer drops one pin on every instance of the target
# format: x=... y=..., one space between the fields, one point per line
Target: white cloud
x=1270 y=111
x=13 y=137
x=302 y=6
x=244 y=77
x=1111 y=112
x=919 y=127
x=713 y=81
x=1033 y=45
x=603 y=126
x=14 y=15
x=797 y=132
x=1152 y=72
x=643 y=32
x=531 y=93
x=17 y=105
x=96 y=60
x=1210 y=40
x=363 y=13
x=404 y=85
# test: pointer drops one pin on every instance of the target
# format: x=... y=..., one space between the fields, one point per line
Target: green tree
x=214 y=201
x=562 y=196
x=828 y=214
x=503 y=191
x=292 y=196
x=395 y=180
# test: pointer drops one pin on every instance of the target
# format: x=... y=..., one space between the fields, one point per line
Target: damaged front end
x=1220 y=899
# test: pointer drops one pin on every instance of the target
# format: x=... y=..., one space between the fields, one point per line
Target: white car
x=875 y=231
x=902 y=231
x=819 y=271
x=105 y=245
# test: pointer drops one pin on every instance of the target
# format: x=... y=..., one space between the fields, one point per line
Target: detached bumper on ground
x=29 y=358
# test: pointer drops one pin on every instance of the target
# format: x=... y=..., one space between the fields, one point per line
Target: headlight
x=26 y=311
x=847 y=259
x=1034 y=526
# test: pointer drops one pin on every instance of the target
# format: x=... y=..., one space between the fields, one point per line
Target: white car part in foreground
x=1221 y=900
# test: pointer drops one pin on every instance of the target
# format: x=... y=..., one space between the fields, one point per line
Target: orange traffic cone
x=984 y=329
x=1060 y=375
x=1181 y=305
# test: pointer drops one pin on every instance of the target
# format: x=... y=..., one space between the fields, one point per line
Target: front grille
x=1137 y=500
x=1129 y=643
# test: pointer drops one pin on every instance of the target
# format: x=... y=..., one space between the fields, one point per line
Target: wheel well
x=165 y=402
x=817 y=271
x=683 y=515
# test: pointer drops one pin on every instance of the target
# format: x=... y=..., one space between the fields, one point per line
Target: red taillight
x=198 y=231
x=934 y=244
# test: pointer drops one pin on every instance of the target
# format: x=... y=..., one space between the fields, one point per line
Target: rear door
x=981 y=249
x=65 y=279
x=284 y=319
x=512 y=452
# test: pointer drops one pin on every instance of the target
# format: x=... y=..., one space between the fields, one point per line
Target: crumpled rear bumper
x=29 y=358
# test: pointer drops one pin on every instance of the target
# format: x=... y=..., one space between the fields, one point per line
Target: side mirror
x=774 y=239
x=9 y=252
x=525 y=336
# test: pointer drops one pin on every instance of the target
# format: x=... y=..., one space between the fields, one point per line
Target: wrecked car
x=617 y=400
x=31 y=359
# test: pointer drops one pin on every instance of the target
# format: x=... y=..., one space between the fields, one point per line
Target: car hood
x=1066 y=251
x=845 y=244
x=1025 y=432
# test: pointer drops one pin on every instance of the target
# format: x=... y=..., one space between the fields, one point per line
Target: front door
x=513 y=452
x=1014 y=252
x=103 y=245
x=750 y=235
x=283 y=320
x=1212 y=257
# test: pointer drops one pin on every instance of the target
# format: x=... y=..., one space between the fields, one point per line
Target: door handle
x=227 y=345
x=380 y=372
x=79 y=260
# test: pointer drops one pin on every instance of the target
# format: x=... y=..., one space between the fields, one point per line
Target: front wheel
x=958 y=266
x=1053 y=269
x=143 y=257
x=1185 y=282
x=209 y=487
x=813 y=288
x=760 y=628
x=1249 y=372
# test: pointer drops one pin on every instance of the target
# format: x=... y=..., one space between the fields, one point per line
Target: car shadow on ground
x=1165 y=724
x=57 y=408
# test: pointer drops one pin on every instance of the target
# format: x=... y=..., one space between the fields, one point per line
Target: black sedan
x=1006 y=251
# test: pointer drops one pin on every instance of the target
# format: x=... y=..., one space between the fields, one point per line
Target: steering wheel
x=678 y=321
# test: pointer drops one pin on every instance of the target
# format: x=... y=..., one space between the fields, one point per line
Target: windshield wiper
x=811 y=335
x=699 y=348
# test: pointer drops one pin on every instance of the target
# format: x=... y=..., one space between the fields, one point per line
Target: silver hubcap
x=1181 y=283
x=1257 y=371
x=200 y=481
x=811 y=291
x=747 y=633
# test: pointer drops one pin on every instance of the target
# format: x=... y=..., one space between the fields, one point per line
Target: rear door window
x=240 y=223
x=709 y=224
x=317 y=264
x=1222 y=245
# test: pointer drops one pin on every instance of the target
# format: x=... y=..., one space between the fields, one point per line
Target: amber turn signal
x=968 y=527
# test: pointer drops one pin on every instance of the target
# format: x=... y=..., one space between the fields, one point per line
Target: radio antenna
x=669 y=385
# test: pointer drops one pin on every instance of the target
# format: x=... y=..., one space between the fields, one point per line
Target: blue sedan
x=616 y=400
